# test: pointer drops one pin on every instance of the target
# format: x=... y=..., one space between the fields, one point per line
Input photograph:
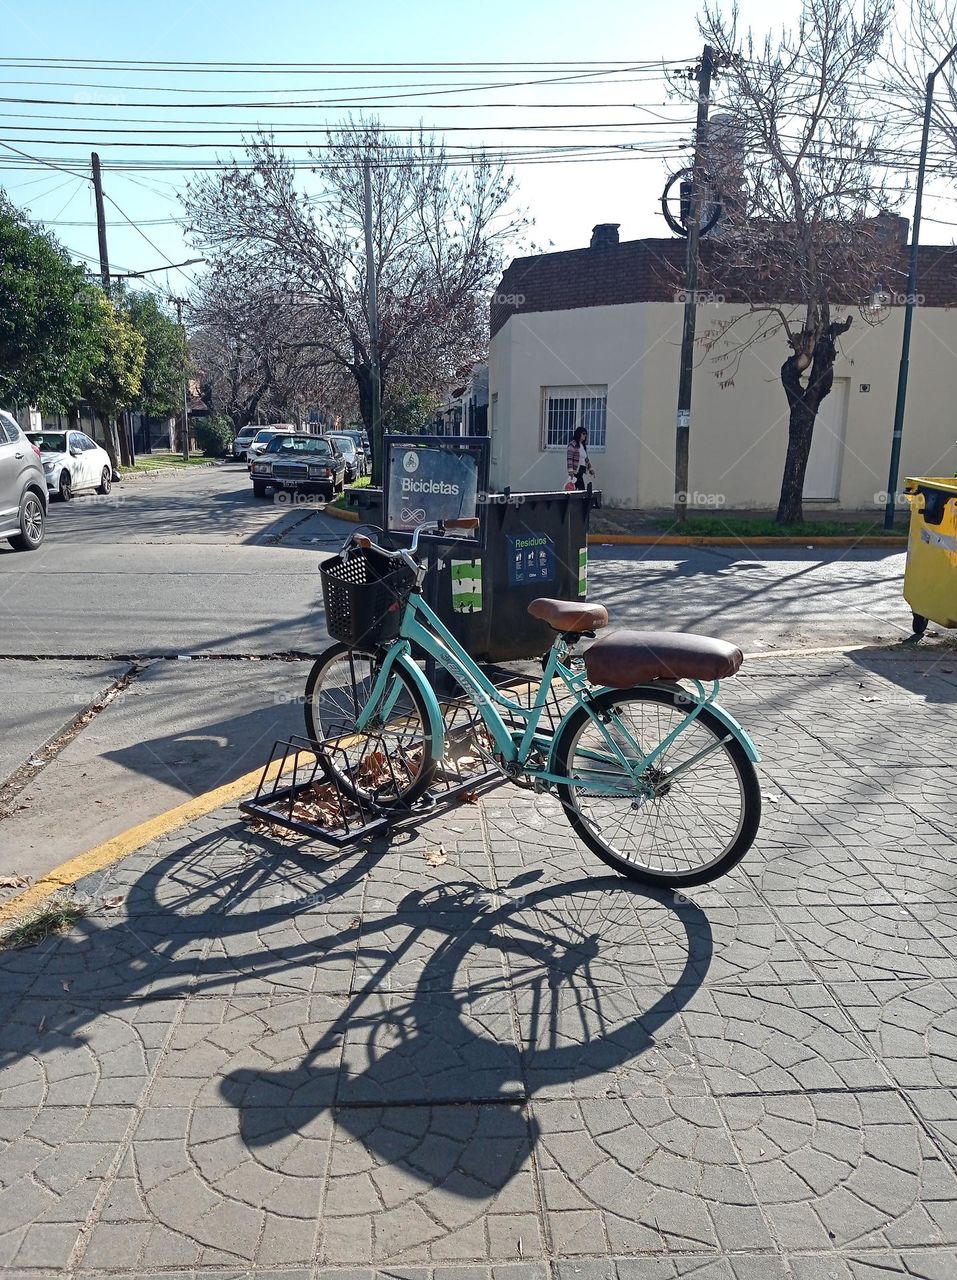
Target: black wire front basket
x=364 y=594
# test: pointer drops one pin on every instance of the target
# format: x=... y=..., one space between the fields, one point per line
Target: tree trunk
x=363 y=377
x=800 y=434
x=804 y=402
x=118 y=428
x=110 y=442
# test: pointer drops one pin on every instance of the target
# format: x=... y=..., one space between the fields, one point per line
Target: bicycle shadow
x=444 y=975
x=434 y=1084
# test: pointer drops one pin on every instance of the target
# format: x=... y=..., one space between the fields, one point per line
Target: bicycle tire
x=586 y=826
x=334 y=720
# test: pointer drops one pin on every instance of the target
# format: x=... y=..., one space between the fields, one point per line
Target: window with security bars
x=565 y=409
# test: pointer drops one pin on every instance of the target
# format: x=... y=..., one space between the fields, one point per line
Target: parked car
x=262 y=437
x=72 y=461
x=297 y=461
x=23 y=490
x=242 y=442
x=361 y=442
x=353 y=458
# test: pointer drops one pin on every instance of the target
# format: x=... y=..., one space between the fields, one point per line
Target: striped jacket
x=576 y=456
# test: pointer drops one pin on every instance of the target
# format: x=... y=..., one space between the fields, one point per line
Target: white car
x=72 y=461
x=257 y=446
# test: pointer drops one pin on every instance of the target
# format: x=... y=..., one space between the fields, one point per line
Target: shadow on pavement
x=929 y=674
x=428 y=987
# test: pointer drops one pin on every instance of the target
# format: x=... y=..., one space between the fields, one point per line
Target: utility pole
x=909 y=300
x=686 y=369
x=121 y=441
x=372 y=303
x=100 y=222
x=182 y=328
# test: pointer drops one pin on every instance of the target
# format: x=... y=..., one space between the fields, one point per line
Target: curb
x=766 y=540
x=337 y=513
x=689 y=540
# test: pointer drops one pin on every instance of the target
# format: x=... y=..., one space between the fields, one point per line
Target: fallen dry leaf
x=110 y=904
x=13 y=882
x=469 y=797
x=436 y=857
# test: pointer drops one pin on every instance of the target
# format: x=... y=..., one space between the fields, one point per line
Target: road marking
x=118 y=847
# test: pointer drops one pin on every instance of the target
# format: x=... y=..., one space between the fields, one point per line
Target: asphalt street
x=176 y=617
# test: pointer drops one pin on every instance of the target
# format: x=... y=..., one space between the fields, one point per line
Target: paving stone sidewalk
x=264 y=1058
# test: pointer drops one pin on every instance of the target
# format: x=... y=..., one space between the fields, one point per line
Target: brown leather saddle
x=625 y=658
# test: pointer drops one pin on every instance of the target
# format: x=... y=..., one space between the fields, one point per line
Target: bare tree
x=439 y=235
x=922 y=40
x=254 y=354
x=801 y=240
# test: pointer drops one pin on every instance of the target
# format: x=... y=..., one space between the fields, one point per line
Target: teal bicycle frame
x=422 y=627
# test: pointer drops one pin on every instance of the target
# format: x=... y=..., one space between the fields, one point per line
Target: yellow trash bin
x=930 y=578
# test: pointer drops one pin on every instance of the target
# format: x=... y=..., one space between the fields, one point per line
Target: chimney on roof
x=892 y=228
x=605 y=235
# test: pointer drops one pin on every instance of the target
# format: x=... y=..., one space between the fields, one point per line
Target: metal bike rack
x=300 y=787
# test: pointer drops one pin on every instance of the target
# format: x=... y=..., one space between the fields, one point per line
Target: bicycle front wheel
x=391 y=762
x=690 y=817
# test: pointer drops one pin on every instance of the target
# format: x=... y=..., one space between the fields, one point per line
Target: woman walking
x=576 y=459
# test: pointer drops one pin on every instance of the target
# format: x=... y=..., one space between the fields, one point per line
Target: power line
x=173 y=265
x=425 y=86
x=310 y=68
x=238 y=126
x=335 y=104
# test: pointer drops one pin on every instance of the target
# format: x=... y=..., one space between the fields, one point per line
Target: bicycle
x=644 y=768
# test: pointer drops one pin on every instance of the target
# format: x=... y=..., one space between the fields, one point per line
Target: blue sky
x=565 y=199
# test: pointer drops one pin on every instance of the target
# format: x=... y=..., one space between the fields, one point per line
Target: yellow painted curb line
x=688 y=540
x=113 y=850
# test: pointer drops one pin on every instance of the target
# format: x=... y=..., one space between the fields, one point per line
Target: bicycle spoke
x=684 y=812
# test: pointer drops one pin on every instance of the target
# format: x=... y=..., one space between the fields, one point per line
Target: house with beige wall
x=592 y=337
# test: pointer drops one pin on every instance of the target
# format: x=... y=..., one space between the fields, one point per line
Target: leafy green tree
x=165 y=357
x=45 y=351
x=115 y=376
x=410 y=411
x=215 y=435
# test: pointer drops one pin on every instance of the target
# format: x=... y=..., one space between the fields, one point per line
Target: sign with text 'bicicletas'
x=428 y=484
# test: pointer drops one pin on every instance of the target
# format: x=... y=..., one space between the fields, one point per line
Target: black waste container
x=535 y=545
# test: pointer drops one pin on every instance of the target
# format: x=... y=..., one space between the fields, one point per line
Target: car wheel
x=259 y=489
x=106 y=481
x=31 y=523
x=65 y=487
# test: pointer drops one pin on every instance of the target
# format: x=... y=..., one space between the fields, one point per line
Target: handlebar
x=408 y=556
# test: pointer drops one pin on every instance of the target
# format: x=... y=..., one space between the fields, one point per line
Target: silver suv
x=23 y=489
x=242 y=442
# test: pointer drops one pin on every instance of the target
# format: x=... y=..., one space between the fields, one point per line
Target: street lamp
x=894 y=472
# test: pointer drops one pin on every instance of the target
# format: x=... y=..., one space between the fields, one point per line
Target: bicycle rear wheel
x=392 y=761
x=697 y=809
